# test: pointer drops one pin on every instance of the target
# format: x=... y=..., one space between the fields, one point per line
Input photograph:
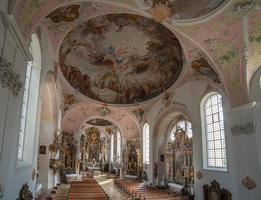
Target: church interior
x=130 y=99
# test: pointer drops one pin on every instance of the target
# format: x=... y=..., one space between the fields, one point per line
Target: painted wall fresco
x=121 y=58
x=202 y=67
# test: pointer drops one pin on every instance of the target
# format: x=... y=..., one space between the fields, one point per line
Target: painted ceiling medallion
x=161 y=12
x=178 y=9
x=249 y=183
x=121 y=58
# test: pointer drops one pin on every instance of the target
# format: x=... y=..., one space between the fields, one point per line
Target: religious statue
x=25 y=193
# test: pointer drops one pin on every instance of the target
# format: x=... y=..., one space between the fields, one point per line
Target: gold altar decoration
x=94 y=150
x=179 y=157
x=248 y=183
x=132 y=155
x=63 y=153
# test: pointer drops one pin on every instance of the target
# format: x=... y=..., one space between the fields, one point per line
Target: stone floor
x=112 y=190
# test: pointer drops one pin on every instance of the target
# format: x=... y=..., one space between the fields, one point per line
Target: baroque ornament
x=247 y=128
x=248 y=183
x=104 y=111
x=161 y=12
x=199 y=175
x=8 y=78
x=139 y=113
x=25 y=193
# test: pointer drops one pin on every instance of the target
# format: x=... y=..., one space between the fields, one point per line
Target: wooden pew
x=141 y=191
x=88 y=189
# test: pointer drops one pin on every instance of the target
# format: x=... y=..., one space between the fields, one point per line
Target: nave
x=130 y=99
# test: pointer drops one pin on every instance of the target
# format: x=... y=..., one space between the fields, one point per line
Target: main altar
x=94 y=150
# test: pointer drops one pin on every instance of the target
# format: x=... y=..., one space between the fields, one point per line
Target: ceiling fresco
x=230 y=39
x=121 y=58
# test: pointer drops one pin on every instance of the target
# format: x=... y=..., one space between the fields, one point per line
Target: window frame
x=146 y=143
x=205 y=134
x=30 y=126
x=112 y=148
x=24 y=110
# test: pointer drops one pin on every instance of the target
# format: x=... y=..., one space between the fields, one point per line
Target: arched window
x=185 y=125
x=146 y=144
x=29 y=104
x=214 y=145
x=119 y=146
x=112 y=147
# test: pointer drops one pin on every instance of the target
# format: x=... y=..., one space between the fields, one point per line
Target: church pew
x=139 y=190
x=88 y=188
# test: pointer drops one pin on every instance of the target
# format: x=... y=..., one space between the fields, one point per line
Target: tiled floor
x=112 y=190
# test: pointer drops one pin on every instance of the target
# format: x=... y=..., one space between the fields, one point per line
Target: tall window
x=112 y=147
x=146 y=144
x=213 y=132
x=119 y=146
x=29 y=105
x=24 y=112
x=185 y=125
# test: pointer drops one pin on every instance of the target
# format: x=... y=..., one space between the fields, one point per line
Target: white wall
x=49 y=114
x=12 y=176
x=242 y=154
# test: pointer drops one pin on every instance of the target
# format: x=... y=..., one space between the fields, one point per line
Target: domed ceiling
x=121 y=58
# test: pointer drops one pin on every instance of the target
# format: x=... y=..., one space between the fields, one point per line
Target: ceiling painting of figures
x=121 y=58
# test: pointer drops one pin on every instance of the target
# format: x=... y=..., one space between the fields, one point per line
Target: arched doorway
x=179 y=154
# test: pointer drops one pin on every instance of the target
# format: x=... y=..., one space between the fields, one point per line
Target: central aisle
x=112 y=190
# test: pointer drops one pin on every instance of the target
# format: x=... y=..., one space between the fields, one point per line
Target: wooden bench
x=139 y=190
x=88 y=188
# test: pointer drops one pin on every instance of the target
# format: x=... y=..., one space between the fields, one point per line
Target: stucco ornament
x=8 y=78
x=139 y=113
x=244 y=6
x=161 y=12
x=104 y=111
x=247 y=128
x=249 y=183
x=199 y=175
x=25 y=193
x=167 y=98
x=144 y=4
